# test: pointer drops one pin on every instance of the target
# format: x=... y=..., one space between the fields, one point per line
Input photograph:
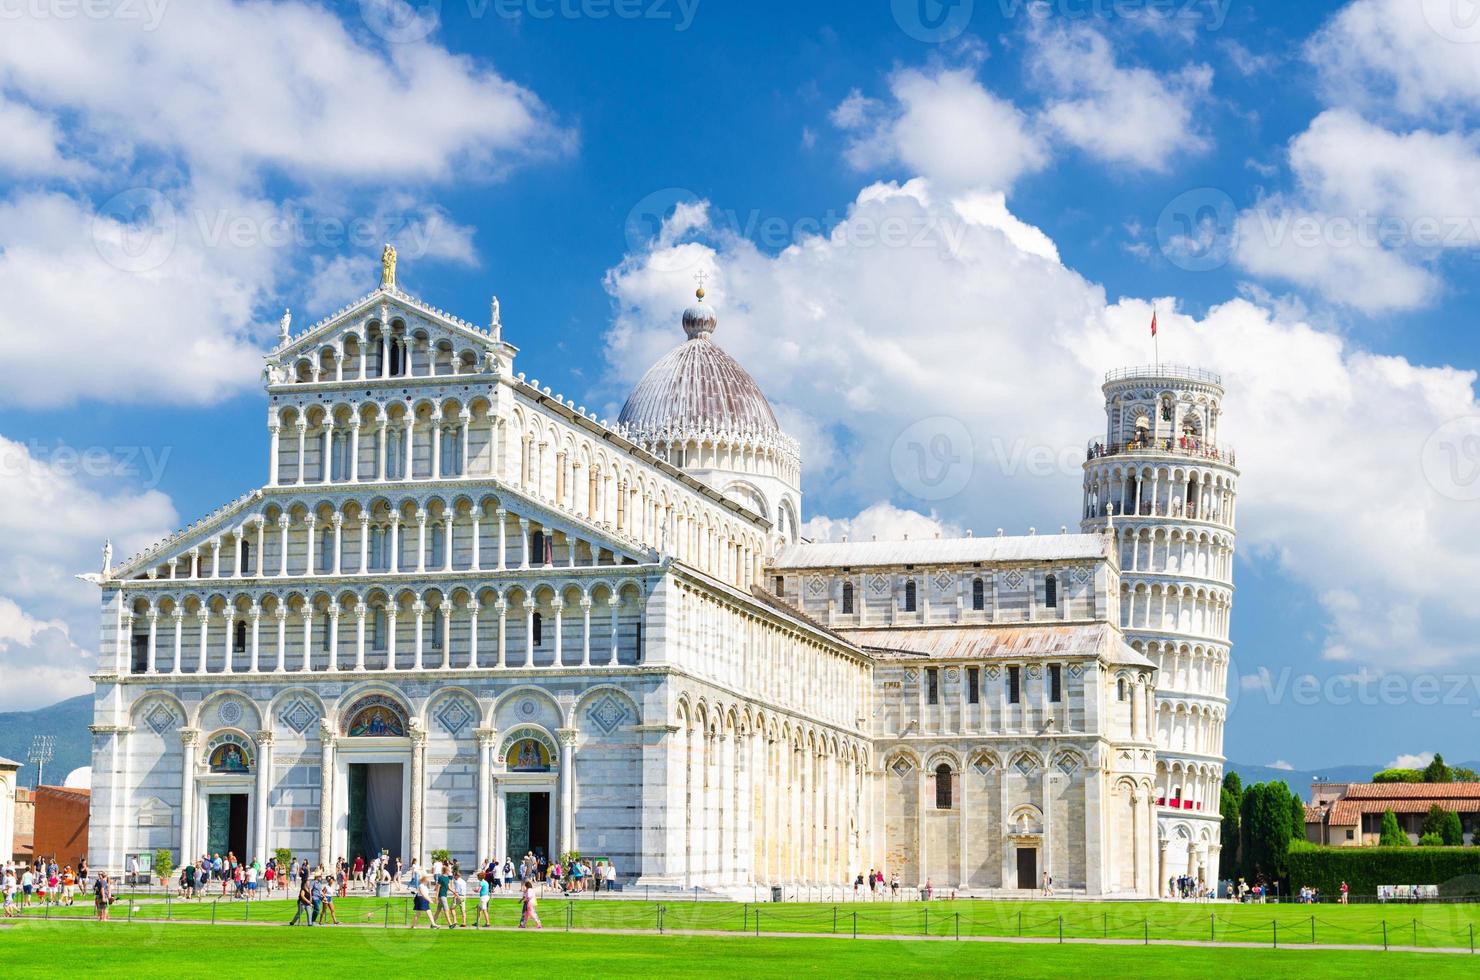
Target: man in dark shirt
x=305 y=904
x=444 y=900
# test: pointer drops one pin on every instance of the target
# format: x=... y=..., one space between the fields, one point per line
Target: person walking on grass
x=444 y=898
x=483 y=895
x=460 y=896
x=102 y=896
x=527 y=910
x=421 y=903
x=305 y=905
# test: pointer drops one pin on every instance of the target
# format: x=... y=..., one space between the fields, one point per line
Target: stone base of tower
x=1189 y=845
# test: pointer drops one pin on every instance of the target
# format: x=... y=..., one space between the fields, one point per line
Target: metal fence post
x=927 y=920
x=1061 y=929
x=757 y=922
x=835 y=920
x=1384 y=935
x=1274 y=925
x=1212 y=927
x=855 y=931
x=1146 y=932
x=213 y=910
x=1312 y=930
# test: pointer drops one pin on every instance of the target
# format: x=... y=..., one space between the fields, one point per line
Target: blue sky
x=176 y=175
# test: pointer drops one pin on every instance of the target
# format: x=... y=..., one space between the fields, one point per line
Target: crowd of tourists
x=43 y=884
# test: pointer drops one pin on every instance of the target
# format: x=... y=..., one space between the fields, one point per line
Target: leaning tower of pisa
x=1162 y=474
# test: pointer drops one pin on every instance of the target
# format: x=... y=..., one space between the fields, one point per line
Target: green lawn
x=36 y=949
x=1428 y=926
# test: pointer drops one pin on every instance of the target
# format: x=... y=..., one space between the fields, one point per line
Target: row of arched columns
x=293 y=536
x=1188 y=552
x=549 y=624
x=767 y=798
x=1190 y=726
x=1188 y=668
x=371 y=350
x=1202 y=493
x=1194 y=611
x=1188 y=785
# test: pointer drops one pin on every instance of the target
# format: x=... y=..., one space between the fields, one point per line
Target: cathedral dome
x=698 y=387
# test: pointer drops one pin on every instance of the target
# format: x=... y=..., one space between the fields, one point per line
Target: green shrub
x=164 y=863
x=1398 y=776
x=1456 y=870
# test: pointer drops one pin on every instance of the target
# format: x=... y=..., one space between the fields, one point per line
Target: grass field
x=37 y=948
x=1449 y=926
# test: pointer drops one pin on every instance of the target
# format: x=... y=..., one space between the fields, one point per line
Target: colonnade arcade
x=1186 y=552
x=767 y=797
x=371 y=350
x=577 y=622
x=1200 y=611
x=384 y=534
x=1161 y=490
x=1188 y=785
x=1187 y=668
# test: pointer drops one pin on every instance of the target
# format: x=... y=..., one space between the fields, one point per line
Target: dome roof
x=698 y=386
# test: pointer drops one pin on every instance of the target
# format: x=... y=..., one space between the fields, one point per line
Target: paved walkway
x=766 y=934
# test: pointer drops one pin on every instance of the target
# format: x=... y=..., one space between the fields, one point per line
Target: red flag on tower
x=1153 y=323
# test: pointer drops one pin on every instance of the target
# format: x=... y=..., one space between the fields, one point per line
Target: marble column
x=189 y=738
x=567 y=841
x=485 y=738
x=418 y=768
x=327 y=741
x=263 y=811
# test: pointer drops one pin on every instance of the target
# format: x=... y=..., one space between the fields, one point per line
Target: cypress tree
x=1391 y=835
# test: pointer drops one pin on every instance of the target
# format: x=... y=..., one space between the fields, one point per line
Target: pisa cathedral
x=463 y=612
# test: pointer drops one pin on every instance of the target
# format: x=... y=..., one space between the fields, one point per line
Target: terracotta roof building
x=1350 y=814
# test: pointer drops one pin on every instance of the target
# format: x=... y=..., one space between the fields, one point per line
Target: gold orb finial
x=700 y=276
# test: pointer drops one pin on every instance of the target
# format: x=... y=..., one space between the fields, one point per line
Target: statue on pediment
x=388 y=266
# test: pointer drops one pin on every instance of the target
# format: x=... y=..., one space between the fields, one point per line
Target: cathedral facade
x=464 y=613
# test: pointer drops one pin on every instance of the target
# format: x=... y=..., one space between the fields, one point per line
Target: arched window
x=537 y=548
x=239 y=637
x=438 y=633
x=1051 y=591
x=539 y=629
x=978 y=594
x=847 y=598
x=942 y=787
x=438 y=549
x=909 y=596
x=1120 y=689
x=378 y=635
x=246 y=555
x=326 y=552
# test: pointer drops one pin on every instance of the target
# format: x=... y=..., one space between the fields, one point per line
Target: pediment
x=387 y=305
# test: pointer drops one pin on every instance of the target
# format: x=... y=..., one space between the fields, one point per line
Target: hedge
x=1456 y=870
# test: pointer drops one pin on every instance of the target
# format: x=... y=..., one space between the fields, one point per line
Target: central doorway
x=528 y=820
x=374 y=810
x=1027 y=858
x=226 y=824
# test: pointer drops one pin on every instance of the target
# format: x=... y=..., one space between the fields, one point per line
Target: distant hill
x=67 y=720
x=1299 y=780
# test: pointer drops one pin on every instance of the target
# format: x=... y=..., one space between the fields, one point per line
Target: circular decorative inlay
x=527 y=707
x=230 y=712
